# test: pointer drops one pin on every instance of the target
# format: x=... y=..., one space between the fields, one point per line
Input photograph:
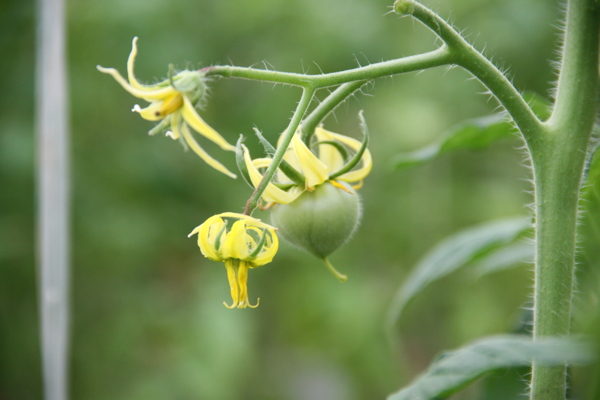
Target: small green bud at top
x=404 y=7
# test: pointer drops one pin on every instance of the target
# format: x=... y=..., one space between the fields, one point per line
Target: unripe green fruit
x=319 y=221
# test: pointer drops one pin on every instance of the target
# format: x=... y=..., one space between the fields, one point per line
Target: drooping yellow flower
x=173 y=102
x=241 y=242
x=328 y=164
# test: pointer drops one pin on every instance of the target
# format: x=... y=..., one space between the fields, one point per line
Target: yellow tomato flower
x=172 y=102
x=241 y=242
x=325 y=166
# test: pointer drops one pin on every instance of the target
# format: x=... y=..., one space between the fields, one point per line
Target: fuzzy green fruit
x=319 y=221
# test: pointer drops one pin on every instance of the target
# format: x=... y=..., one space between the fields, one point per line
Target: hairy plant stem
x=466 y=56
x=558 y=162
x=435 y=58
x=327 y=106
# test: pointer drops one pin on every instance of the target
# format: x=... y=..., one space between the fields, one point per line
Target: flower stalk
x=307 y=95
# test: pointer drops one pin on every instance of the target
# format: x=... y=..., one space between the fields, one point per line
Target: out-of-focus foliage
x=471 y=134
x=454 y=370
x=454 y=252
x=148 y=320
x=588 y=273
x=590 y=199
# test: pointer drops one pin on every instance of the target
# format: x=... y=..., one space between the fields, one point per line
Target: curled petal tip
x=255 y=305
x=171 y=135
x=233 y=305
x=104 y=69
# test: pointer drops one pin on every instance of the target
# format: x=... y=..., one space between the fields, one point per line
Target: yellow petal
x=249 y=220
x=272 y=193
x=148 y=95
x=130 y=64
x=233 y=283
x=193 y=119
x=314 y=170
x=207 y=237
x=171 y=104
x=367 y=160
x=235 y=245
x=242 y=279
x=361 y=173
x=189 y=139
x=269 y=250
x=289 y=155
x=150 y=113
x=329 y=154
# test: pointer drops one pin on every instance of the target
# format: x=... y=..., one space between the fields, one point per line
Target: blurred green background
x=147 y=315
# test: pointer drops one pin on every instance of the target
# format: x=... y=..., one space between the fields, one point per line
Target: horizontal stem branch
x=440 y=56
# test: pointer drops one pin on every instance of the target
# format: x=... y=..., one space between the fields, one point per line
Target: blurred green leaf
x=472 y=134
x=453 y=371
x=504 y=258
x=508 y=384
x=453 y=253
x=590 y=227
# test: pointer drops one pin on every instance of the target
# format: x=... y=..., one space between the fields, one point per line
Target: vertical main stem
x=558 y=160
x=557 y=180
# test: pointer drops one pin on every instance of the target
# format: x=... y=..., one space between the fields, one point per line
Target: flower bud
x=404 y=7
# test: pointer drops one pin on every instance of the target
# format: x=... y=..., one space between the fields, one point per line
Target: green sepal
x=162 y=126
x=358 y=156
x=285 y=167
x=339 y=147
x=261 y=244
x=193 y=93
x=219 y=234
x=286 y=186
x=181 y=139
x=241 y=163
x=170 y=75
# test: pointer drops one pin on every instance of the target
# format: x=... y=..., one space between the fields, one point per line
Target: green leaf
x=504 y=258
x=453 y=253
x=472 y=134
x=453 y=371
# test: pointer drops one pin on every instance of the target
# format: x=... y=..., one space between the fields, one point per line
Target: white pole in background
x=53 y=196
